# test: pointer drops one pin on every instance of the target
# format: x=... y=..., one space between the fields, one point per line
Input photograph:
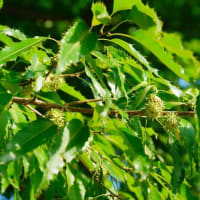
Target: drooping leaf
x=12 y=52
x=35 y=134
x=77 y=43
x=100 y=14
x=78 y=137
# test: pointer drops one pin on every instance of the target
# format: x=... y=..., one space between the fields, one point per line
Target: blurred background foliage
x=53 y=17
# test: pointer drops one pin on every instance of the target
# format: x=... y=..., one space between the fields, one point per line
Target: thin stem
x=35 y=111
x=77 y=74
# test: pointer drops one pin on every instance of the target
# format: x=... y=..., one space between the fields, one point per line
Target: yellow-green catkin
x=56 y=116
x=53 y=83
x=154 y=107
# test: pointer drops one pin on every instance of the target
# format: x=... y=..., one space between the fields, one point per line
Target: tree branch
x=68 y=107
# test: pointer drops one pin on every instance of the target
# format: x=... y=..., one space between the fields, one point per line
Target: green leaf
x=123 y=5
x=79 y=135
x=56 y=162
x=97 y=87
x=12 y=33
x=100 y=14
x=130 y=49
x=145 y=17
x=114 y=170
x=155 y=47
x=77 y=43
x=32 y=136
x=12 y=52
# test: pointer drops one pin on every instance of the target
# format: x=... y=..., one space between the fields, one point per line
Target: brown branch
x=47 y=106
x=77 y=74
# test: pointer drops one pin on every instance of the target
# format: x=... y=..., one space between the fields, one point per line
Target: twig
x=77 y=74
x=47 y=105
x=52 y=68
x=35 y=111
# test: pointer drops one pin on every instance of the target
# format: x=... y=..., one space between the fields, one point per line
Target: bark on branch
x=69 y=107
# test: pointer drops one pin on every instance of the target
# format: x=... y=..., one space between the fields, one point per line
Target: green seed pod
x=56 y=116
x=53 y=83
x=171 y=121
x=154 y=106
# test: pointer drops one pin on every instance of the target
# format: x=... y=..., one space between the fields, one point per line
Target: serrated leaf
x=145 y=17
x=32 y=136
x=155 y=47
x=100 y=14
x=119 y=5
x=135 y=53
x=12 y=52
x=77 y=43
x=13 y=33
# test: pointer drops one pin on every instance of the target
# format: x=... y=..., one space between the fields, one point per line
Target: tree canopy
x=109 y=111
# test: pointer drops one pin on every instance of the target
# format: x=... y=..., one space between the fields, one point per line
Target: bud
x=53 y=83
x=154 y=106
x=56 y=116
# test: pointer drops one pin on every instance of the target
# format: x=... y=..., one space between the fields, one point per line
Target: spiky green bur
x=154 y=106
x=53 y=83
x=56 y=116
x=171 y=121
